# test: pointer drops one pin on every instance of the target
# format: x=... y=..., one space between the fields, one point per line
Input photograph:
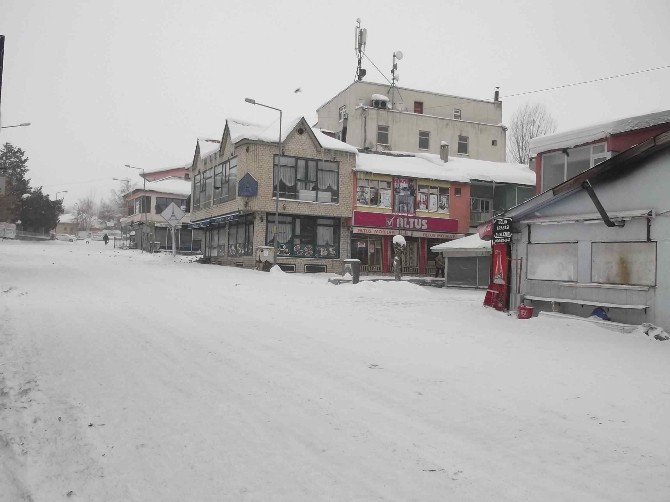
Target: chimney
x=444 y=151
x=496 y=95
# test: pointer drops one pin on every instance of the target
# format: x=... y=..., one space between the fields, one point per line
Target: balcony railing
x=477 y=217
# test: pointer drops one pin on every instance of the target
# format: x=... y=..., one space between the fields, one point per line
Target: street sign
x=502 y=231
x=173 y=214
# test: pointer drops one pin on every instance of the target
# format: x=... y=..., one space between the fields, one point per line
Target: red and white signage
x=400 y=223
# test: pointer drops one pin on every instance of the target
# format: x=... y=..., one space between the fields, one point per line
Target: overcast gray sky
x=106 y=83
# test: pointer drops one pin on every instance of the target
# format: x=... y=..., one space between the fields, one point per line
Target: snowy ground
x=127 y=376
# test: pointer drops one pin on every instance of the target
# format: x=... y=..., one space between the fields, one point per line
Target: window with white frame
x=433 y=199
x=463 y=145
x=372 y=192
x=424 y=140
x=310 y=180
x=305 y=236
x=558 y=167
x=457 y=113
x=383 y=135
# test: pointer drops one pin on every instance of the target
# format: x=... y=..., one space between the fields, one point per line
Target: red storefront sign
x=404 y=222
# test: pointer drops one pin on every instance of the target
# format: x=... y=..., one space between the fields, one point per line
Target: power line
x=611 y=77
x=373 y=64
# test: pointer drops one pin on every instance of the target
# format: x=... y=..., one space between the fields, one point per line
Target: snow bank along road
x=127 y=376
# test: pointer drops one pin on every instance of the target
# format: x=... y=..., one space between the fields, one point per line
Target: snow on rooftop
x=66 y=218
x=431 y=166
x=575 y=137
x=172 y=185
x=240 y=130
x=470 y=242
x=379 y=97
x=185 y=165
x=208 y=147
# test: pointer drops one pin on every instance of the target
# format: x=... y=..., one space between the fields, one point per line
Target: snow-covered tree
x=14 y=167
x=85 y=210
x=529 y=121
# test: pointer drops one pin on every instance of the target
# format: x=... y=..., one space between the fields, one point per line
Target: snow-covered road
x=127 y=376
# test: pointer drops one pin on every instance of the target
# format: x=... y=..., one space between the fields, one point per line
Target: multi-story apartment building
x=428 y=199
x=143 y=221
x=234 y=201
x=378 y=117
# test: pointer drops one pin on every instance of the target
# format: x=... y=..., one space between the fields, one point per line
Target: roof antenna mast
x=361 y=37
x=397 y=56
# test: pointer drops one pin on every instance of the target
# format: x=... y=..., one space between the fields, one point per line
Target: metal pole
x=276 y=230
x=174 y=243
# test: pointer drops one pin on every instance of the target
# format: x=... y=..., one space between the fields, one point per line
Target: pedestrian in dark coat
x=439 y=265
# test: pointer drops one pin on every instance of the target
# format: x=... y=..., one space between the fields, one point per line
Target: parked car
x=66 y=237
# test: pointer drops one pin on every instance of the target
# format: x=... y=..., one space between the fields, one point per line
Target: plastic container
x=524 y=312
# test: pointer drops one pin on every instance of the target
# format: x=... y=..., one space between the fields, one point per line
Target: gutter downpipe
x=596 y=202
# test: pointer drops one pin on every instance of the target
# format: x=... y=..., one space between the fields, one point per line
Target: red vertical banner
x=497 y=295
x=423 y=258
x=387 y=254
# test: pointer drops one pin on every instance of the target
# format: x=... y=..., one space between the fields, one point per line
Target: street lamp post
x=127 y=180
x=23 y=124
x=276 y=177
x=144 y=189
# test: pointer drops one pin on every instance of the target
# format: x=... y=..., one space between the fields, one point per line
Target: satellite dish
x=398 y=55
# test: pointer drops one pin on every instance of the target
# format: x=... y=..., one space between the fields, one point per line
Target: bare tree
x=85 y=210
x=528 y=122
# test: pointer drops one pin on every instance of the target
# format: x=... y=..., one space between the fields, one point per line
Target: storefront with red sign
x=372 y=235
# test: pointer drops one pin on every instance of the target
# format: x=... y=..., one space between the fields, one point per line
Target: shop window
x=369 y=251
x=457 y=191
x=383 y=135
x=241 y=237
x=463 y=145
x=287 y=267
x=418 y=107
x=305 y=236
x=307 y=179
x=424 y=140
x=372 y=192
x=432 y=198
x=404 y=194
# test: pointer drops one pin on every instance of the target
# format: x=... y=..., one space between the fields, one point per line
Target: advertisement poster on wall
x=404 y=192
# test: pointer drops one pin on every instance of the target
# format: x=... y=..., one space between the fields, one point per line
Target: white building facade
x=377 y=117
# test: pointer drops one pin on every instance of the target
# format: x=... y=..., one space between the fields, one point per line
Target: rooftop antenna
x=361 y=38
x=397 y=56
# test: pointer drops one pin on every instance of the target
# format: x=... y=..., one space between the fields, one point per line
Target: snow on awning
x=472 y=245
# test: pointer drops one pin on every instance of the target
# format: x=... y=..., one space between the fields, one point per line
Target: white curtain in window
x=287 y=175
x=325 y=236
x=284 y=232
x=327 y=179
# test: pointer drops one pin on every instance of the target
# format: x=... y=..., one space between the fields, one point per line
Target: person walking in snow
x=105 y=238
x=439 y=265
